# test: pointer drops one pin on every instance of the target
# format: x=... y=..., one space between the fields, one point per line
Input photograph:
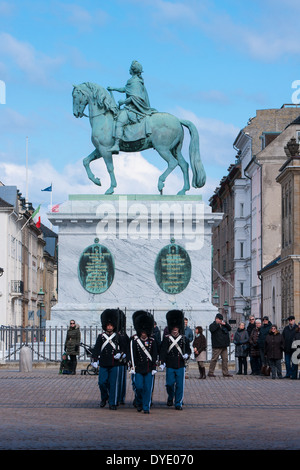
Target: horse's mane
x=101 y=96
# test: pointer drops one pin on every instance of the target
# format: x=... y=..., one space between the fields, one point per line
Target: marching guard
x=143 y=357
x=174 y=353
x=110 y=349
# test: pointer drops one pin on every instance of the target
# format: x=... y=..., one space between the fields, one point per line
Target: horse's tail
x=199 y=176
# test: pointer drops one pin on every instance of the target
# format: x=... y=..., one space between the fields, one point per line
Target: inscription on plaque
x=96 y=269
x=173 y=269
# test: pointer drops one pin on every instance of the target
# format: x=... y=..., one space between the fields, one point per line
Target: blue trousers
x=143 y=390
x=122 y=383
x=108 y=381
x=175 y=384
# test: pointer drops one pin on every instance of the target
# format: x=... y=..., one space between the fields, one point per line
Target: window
x=242 y=209
x=242 y=249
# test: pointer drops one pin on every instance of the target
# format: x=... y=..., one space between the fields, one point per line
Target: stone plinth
x=133 y=252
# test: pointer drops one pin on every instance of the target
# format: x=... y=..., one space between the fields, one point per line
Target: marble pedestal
x=133 y=229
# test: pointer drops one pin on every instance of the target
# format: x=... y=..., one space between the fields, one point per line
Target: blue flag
x=47 y=189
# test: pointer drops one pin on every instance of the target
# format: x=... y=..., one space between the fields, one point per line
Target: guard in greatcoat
x=143 y=357
x=110 y=350
x=174 y=353
x=124 y=362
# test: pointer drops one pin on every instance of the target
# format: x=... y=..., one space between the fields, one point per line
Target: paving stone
x=45 y=410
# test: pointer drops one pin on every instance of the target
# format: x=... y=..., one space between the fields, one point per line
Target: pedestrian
x=254 y=347
x=189 y=335
x=296 y=353
x=288 y=334
x=241 y=341
x=157 y=335
x=65 y=365
x=188 y=331
x=200 y=345
x=72 y=344
x=143 y=356
x=110 y=349
x=250 y=327
x=220 y=341
x=174 y=353
x=124 y=362
x=274 y=346
x=264 y=331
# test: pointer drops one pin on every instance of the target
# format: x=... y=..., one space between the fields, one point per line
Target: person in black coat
x=250 y=328
x=288 y=334
x=264 y=331
x=296 y=353
x=220 y=341
x=274 y=345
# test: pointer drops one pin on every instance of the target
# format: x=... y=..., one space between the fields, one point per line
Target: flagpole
x=26 y=172
x=51 y=204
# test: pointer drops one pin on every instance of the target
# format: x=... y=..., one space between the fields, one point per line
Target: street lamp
x=40 y=302
x=247 y=311
x=53 y=301
x=226 y=306
x=216 y=299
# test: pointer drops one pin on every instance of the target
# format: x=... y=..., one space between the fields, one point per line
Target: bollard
x=25 y=359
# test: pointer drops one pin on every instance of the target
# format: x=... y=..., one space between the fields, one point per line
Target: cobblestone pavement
x=44 y=410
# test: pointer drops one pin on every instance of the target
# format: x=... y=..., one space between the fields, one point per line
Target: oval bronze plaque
x=96 y=269
x=173 y=269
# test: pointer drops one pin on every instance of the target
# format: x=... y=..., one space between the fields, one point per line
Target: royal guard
x=124 y=362
x=174 y=353
x=110 y=350
x=143 y=357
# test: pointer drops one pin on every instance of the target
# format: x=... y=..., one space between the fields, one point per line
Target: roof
x=4 y=203
x=9 y=194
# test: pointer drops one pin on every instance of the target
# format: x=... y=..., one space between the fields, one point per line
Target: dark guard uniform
x=124 y=362
x=174 y=353
x=143 y=356
x=109 y=349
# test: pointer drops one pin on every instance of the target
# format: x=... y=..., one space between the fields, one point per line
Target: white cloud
x=216 y=139
x=36 y=65
x=83 y=19
x=134 y=175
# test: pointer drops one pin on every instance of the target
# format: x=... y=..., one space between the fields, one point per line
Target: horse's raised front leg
x=107 y=156
x=86 y=162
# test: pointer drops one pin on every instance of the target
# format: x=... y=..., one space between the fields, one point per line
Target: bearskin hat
x=175 y=318
x=143 y=321
x=110 y=315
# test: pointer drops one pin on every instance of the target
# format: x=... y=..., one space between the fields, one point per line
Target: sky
x=212 y=62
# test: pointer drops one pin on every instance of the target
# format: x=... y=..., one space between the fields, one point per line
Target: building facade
x=27 y=267
x=256 y=219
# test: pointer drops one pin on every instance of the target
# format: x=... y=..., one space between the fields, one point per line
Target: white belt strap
x=175 y=343
x=109 y=340
x=132 y=358
x=144 y=349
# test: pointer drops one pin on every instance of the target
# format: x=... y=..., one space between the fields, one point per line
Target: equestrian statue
x=134 y=126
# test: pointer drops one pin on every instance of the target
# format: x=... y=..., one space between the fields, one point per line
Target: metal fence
x=47 y=344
